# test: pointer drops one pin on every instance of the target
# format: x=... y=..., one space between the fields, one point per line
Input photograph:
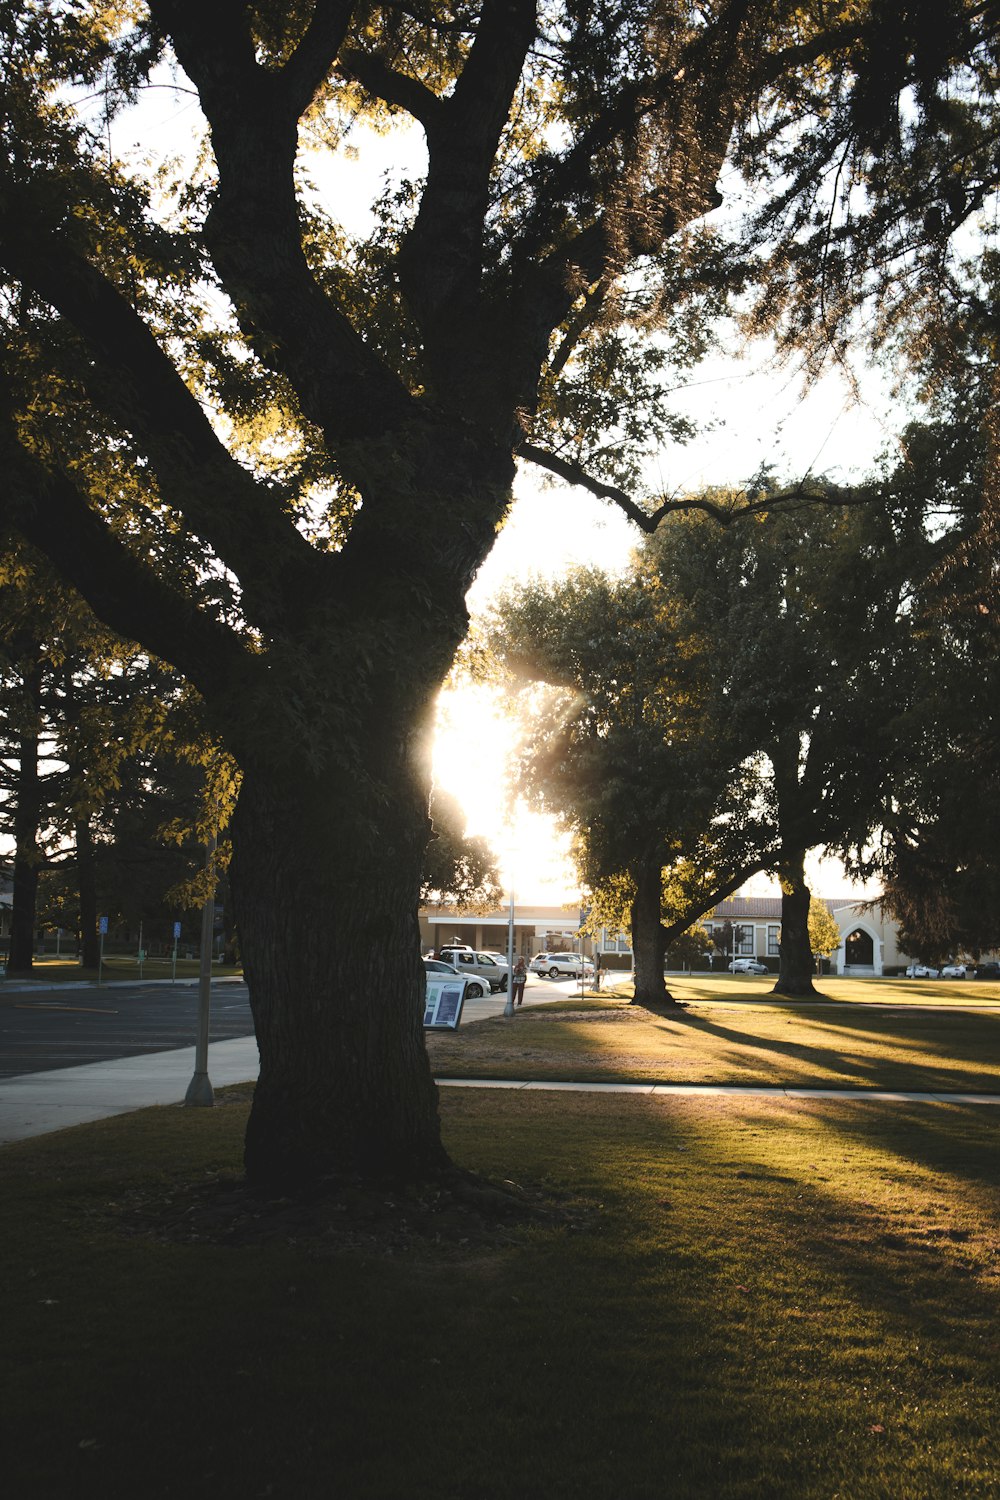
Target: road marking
x=83 y=1010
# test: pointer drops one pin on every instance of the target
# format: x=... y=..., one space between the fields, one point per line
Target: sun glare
x=474 y=740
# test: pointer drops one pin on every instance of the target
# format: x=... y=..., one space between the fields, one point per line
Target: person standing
x=520 y=977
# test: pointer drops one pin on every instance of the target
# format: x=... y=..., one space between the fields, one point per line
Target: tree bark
x=326 y=906
x=27 y=824
x=795 y=970
x=649 y=946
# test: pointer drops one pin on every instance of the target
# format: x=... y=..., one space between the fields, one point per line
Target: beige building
x=868 y=937
x=537 y=929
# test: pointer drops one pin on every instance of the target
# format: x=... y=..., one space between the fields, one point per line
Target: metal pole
x=508 y=1009
x=200 y=1088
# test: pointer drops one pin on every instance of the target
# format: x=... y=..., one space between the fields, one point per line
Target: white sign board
x=445 y=997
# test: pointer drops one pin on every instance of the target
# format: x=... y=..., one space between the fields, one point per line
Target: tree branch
x=646 y=520
x=201 y=478
x=397 y=89
x=680 y=121
x=123 y=591
x=253 y=231
x=702 y=905
x=441 y=263
x=316 y=52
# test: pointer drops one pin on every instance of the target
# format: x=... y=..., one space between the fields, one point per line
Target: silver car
x=478 y=966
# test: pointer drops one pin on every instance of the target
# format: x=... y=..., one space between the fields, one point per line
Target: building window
x=744 y=940
x=773 y=941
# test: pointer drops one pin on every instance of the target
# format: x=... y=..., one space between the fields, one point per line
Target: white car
x=921 y=971
x=562 y=965
x=475 y=988
x=953 y=971
x=747 y=966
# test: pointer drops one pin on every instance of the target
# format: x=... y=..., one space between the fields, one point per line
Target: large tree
x=803 y=615
x=939 y=835
x=370 y=402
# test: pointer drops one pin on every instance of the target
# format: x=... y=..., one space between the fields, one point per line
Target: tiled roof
x=739 y=908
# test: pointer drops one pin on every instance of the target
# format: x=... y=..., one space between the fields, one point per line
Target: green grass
x=52 y=970
x=913 y=1049
x=760 y=1298
x=909 y=993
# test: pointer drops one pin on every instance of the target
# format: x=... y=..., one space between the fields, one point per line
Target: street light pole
x=200 y=1088
x=508 y=1009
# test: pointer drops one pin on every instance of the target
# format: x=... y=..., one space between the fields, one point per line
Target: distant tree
x=824 y=934
x=937 y=849
x=723 y=939
x=688 y=951
x=103 y=771
x=631 y=752
x=801 y=619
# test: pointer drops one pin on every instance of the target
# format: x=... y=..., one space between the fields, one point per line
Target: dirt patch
x=455 y=1218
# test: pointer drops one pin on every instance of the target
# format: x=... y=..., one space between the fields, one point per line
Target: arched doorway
x=859 y=950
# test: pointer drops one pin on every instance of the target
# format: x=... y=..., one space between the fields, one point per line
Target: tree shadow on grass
x=832 y=1061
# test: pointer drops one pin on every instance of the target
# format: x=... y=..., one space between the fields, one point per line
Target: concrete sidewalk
x=37 y=1103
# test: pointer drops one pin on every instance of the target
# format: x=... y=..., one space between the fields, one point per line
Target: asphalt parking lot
x=66 y=1026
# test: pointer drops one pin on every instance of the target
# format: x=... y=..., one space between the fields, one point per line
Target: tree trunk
x=795 y=972
x=86 y=875
x=649 y=945
x=326 y=907
x=27 y=823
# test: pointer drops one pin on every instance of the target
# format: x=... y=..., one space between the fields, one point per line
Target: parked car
x=988 y=970
x=475 y=988
x=953 y=971
x=747 y=966
x=562 y=965
x=482 y=965
x=921 y=971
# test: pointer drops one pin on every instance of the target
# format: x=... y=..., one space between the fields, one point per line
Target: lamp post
x=508 y=1009
x=199 y=1090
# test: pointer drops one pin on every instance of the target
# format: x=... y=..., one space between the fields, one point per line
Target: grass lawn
x=912 y=1048
x=909 y=993
x=52 y=970
x=744 y=1298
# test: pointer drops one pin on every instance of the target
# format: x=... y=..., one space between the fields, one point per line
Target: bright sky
x=751 y=415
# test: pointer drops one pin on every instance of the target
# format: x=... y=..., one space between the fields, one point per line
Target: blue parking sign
x=102 y=926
